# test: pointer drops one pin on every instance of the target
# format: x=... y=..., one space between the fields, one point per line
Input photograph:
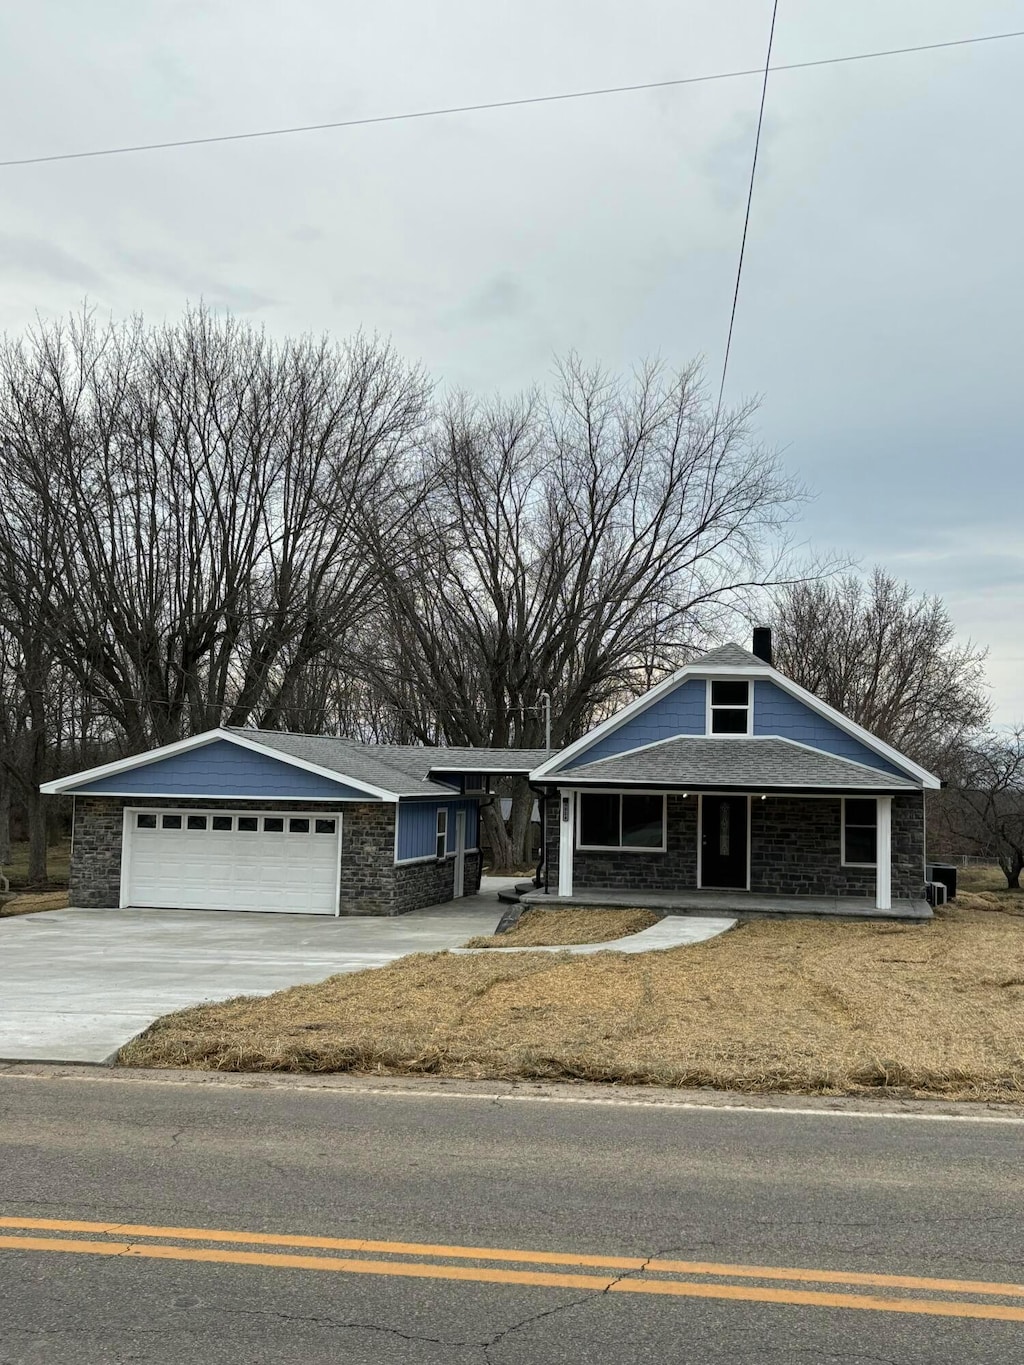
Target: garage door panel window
x=273 y=824
x=196 y=822
x=248 y=824
x=222 y=823
x=145 y=821
x=326 y=826
x=298 y=826
x=171 y=822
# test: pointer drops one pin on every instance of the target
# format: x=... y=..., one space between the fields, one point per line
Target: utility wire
x=504 y=104
x=746 y=217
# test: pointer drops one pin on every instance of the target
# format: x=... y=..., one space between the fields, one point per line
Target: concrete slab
x=745 y=904
x=671 y=932
x=77 y=984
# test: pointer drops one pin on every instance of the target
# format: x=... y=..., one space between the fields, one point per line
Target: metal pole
x=545 y=700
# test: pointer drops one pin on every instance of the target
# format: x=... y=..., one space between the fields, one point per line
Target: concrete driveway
x=76 y=984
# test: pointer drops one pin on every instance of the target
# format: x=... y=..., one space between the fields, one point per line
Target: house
x=727 y=783
x=237 y=819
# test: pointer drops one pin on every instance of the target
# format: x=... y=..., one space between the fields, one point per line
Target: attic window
x=730 y=708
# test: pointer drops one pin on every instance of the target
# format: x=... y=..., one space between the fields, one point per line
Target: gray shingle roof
x=403 y=769
x=752 y=763
x=731 y=655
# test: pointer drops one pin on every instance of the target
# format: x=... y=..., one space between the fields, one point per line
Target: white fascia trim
x=264 y=798
x=752 y=672
x=123 y=765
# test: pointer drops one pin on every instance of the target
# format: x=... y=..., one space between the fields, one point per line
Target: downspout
x=542 y=861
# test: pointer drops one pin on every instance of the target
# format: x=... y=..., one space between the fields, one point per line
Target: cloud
x=36 y=256
x=500 y=298
x=194 y=284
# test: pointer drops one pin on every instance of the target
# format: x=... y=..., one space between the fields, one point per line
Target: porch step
x=509 y=895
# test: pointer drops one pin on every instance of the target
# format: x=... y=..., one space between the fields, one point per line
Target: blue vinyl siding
x=221 y=768
x=417 y=827
x=682 y=711
x=777 y=713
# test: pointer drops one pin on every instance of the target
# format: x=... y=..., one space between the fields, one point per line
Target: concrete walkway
x=744 y=904
x=671 y=932
x=77 y=984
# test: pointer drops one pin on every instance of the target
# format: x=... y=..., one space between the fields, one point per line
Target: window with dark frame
x=622 y=820
x=730 y=707
x=298 y=825
x=220 y=822
x=196 y=822
x=145 y=821
x=324 y=826
x=441 y=847
x=248 y=824
x=171 y=822
x=860 y=831
x=273 y=824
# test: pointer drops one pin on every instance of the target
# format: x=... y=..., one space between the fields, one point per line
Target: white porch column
x=883 y=855
x=566 y=840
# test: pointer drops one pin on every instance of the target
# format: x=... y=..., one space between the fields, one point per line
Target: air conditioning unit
x=935 y=893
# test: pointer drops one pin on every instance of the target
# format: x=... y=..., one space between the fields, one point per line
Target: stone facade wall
x=371 y=884
x=795 y=850
x=431 y=883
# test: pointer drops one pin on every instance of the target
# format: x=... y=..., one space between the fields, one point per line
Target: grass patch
x=808 y=1006
x=58 y=858
x=537 y=928
x=31 y=903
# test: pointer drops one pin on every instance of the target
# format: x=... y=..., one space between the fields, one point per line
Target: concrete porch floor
x=741 y=904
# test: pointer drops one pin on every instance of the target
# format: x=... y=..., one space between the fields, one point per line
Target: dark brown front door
x=723 y=842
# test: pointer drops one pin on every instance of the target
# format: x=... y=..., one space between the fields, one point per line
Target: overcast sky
x=880 y=316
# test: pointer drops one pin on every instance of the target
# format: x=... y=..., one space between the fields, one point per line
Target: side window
x=730 y=707
x=860 y=831
x=442 y=832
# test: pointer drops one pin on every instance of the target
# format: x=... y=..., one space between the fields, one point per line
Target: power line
x=505 y=104
x=746 y=216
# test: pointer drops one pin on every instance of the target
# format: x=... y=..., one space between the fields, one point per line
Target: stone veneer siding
x=371 y=883
x=794 y=850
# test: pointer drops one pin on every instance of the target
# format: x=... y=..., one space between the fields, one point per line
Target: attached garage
x=267 y=820
x=283 y=861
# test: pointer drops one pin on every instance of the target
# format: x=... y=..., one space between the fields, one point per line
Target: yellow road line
x=499 y=1275
x=864 y=1279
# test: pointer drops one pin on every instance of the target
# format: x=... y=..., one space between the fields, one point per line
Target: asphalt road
x=430 y=1228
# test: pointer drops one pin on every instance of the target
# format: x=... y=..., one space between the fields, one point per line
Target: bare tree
x=983 y=806
x=577 y=546
x=193 y=496
x=885 y=657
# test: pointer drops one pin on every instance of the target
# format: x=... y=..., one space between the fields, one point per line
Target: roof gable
x=788 y=710
x=220 y=769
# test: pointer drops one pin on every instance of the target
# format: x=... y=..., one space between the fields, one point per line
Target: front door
x=723 y=842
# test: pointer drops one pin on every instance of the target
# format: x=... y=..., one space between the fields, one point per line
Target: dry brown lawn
x=809 y=1006
x=559 y=928
x=30 y=902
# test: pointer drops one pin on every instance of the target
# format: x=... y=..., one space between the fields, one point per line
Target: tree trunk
x=5 y=821
x=1012 y=866
x=496 y=837
x=36 y=813
x=521 y=823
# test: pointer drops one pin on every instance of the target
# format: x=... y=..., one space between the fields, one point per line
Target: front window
x=860 y=831
x=621 y=820
x=730 y=708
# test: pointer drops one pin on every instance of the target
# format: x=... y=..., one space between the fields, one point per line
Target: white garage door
x=221 y=860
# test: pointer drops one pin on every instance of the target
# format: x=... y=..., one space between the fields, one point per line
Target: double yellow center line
x=496 y=1265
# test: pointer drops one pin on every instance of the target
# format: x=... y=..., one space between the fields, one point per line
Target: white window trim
x=710 y=709
x=621 y=848
x=844 y=861
x=441 y=832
